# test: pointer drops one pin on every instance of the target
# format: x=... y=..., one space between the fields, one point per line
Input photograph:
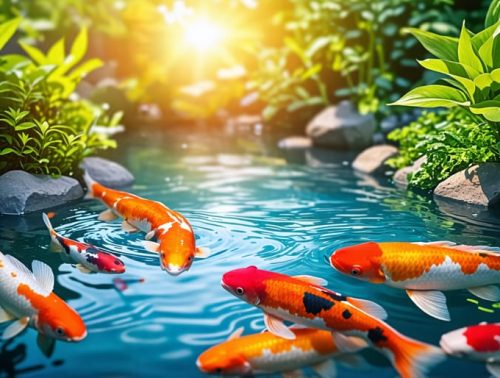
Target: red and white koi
x=86 y=257
x=478 y=342
x=265 y=353
x=26 y=299
x=176 y=241
x=424 y=270
x=304 y=300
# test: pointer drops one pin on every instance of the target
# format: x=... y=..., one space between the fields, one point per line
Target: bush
x=44 y=126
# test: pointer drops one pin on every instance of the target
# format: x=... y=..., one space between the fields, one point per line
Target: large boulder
x=22 y=192
x=342 y=127
x=107 y=173
x=372 y=160
x=401 y=175
x=476 y=185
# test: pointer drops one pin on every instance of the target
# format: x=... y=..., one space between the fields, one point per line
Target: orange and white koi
x=478 y=342
x=265 y=353
x=304 y=300
x=424 y=270
x=176 y=240
x=86 y=257
x=26 y=298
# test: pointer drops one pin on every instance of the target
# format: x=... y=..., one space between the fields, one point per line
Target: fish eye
x=240 y=291
x=190 y=258
x=60 y=331
x=356 y=270
x=118 y=262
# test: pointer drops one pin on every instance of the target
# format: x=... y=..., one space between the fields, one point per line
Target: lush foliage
x=451 y=140
x=472 y=66
x=44 y=126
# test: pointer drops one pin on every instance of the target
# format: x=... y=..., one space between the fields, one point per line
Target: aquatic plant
x=44 y=126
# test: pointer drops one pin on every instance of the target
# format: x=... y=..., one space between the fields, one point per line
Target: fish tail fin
x=412 y=358
x=90 y=182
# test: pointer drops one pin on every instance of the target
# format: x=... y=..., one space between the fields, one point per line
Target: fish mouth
x=174 y=270
x=80 y=338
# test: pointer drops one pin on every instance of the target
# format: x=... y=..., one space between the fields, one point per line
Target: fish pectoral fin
x=127 y=227
x=55 y=246
x=151 y=246
x=312 y=280
x=369 y=307
x=278 y=328
x=494 y=368
x=43 y=275
x=202 y=252
x=107 y=216
x=326 y=369
x=82 y=268
x=432 y=302
x=489 y=293
x=236 y=334
x=348 y=344
x=46 y=345
x=293 y=374
x=150 y=235
x=15 y=328
x=5 y=316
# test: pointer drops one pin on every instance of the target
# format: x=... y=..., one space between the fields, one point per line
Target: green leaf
x=79 y=47
x=466 y=54
x=7 y=30
x=493 y=14
x=24 y=126
x=440 y=46
x=56 y=53
x=311 y=71
x=9 y=150
x=483 y=81
x=449 y=67
x=85 y=68
x=488 y=109
x=433 y=96
x=34 y=53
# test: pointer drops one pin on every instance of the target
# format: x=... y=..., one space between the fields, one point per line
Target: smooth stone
x=107 y=172
x=22 y=192
x=476 y=185
x=372 y=160
x=401 y=175
x=293 y=142
x=341 y=127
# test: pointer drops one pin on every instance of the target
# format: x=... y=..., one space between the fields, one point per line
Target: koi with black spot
x=304 y=300
x=86 y=257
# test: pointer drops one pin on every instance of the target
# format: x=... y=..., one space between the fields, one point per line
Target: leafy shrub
x=44 y=126
x=472 y=66
x=451 y=140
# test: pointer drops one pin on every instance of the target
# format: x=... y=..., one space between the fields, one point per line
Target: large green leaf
x=488 y=109
x=480 y=38
x=449 y=67
x=34 y=53
x=433 y=96
x=493 y=14
x=56 y=53
x=440 y=46
x=466 y=54
x=79 y=47
x=7 y=30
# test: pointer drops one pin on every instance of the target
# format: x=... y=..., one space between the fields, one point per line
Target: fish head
x=246 y=284
x=454 y=343
x=177 y=257
x=362 y=261
x=222 y=359
x=59 y=321
x=106 y=262
x=476 y=342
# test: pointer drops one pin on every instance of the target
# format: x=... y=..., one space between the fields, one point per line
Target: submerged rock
x=22 y=192
x=107 y=172
x=342 y=127
x=293 y=142
x=372 y=160
x=476 y=185
x=401 y=175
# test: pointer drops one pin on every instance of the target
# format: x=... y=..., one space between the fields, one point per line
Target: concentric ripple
x=249 y=209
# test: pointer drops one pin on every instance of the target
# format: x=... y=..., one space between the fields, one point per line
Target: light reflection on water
x=249 y=209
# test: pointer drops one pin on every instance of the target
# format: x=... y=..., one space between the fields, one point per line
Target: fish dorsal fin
x=369 y=307
x=278 y=328
x=489 y=293
x=432 y=302
x=440 y=243
x=312 y=280
x=20 y=267
x=43 y=276
x=236 y=334
x=348 y=344
x=464 y=248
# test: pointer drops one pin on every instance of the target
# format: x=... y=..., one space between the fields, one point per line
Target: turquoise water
x=251 y=205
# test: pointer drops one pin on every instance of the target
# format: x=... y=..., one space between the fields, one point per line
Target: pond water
x=251 y=205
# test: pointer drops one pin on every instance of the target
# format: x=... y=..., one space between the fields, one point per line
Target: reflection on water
x=250 y=207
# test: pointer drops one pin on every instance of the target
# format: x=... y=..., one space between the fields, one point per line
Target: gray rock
x=107 y=173
x=372 y=160
x=22 y=192
x=476 y=185
x=295 y=142
x=341 y=127
x=401 y=175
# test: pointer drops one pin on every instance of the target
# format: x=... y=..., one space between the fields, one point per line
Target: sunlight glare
x=204 y=34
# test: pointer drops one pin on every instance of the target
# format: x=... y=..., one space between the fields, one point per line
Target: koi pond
x=251 y=204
